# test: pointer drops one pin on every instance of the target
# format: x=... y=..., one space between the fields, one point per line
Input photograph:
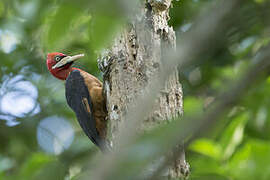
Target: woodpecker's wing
x=79 y=99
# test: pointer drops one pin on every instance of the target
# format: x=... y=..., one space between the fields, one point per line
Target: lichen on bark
x=133 y=59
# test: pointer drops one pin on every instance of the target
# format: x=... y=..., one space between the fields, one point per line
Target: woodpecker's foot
x=185 y=170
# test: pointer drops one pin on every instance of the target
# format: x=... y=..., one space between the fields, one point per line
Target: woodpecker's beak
x=67 y=60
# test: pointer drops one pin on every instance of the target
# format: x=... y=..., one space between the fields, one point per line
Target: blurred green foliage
x=236 y=148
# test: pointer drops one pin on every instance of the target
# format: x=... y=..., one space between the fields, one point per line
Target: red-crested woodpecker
x=84 y=96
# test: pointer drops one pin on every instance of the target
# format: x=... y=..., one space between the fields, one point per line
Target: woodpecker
x=84 y=96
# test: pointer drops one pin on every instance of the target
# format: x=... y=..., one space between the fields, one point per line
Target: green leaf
x=34 y=164
x=251 y=161
x=2 y=7
x=61 y=23
x=192 y=106
x=204 y=166
x=259 y=1
x=209 y=176
x=102 y=30
x=207 y=147
x=233 y=135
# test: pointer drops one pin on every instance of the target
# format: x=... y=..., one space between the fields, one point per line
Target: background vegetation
x=39 y=136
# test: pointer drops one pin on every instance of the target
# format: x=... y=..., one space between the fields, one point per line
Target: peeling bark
x=136 y=56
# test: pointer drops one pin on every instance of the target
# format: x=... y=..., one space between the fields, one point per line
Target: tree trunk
x=136 y=56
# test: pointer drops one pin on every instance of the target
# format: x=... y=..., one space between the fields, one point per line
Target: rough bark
x=136 y=56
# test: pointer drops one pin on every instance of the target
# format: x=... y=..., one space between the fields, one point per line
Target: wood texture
x=136 y=56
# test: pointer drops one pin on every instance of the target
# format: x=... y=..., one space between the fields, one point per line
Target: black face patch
x=57 y=58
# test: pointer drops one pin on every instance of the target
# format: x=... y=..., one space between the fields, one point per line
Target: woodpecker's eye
x=57 y=58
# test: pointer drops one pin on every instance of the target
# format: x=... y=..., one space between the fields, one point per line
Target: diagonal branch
x=198 y=125
x=207 y=31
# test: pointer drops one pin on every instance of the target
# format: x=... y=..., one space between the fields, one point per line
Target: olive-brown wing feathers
x=79 y=99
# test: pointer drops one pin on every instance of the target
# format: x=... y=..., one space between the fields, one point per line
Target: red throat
x=61 y=74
